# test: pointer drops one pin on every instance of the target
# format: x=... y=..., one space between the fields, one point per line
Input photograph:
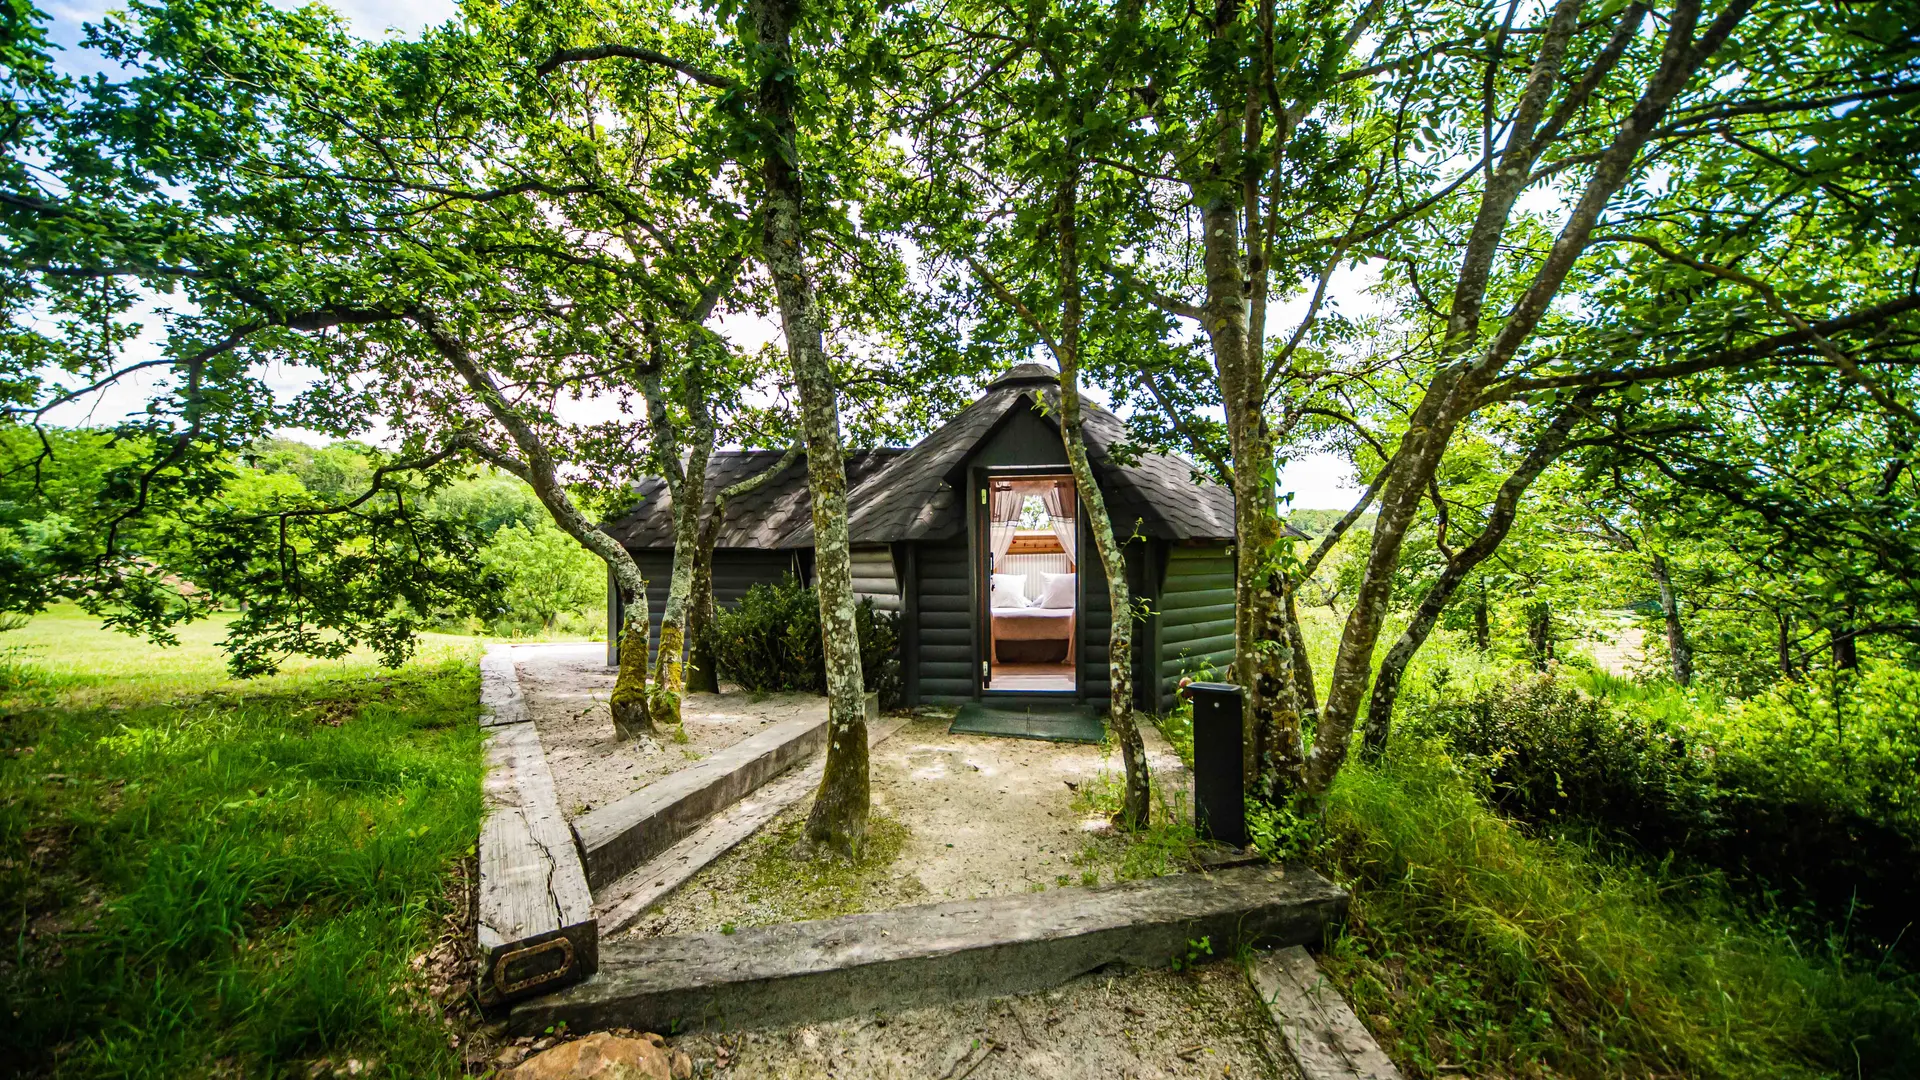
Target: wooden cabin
x=977 y=536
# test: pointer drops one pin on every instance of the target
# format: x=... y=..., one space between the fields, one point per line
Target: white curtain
x=1059 y=500
x=1006 y=516
x=1002 y=540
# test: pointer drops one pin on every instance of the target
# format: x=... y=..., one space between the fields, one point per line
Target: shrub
x=1471 y=943
x=1807 y=791
x=770 y=641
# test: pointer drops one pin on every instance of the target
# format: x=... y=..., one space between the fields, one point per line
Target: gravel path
x=960 y=816
x=567 y=687
x=1203 y=1022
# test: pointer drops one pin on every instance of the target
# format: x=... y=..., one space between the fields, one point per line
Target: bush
x=1807 y=791
x=770 y=641
x=1471 y=943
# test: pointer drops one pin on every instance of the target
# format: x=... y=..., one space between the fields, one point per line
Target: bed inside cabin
x=1033 y=595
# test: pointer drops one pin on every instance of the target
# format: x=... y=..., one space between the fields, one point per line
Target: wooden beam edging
x=536 y=929
x=1326 y=1039
x=501 y=701
x=900 y=958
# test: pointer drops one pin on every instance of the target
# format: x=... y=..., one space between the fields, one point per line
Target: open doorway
x=1033 y=595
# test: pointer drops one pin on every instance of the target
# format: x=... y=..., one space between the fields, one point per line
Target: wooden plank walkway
x=536 y=928
x=1327 y=1040
x=934 y=953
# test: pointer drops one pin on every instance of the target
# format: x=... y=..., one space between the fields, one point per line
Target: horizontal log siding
x=734 y=572
x=873 y=576
x=1096 y=619
x=1196 y=614
x=945 y=657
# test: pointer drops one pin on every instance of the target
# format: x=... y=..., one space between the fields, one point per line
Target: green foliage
x=771 y=641
x=543 y=572
x=231 y=877
x=1473 y=946
x=1806 y=793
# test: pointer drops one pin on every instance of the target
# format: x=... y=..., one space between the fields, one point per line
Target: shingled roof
x=910 y=494
x=763 y=518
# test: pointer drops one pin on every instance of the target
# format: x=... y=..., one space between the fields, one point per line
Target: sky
x=1316 y=481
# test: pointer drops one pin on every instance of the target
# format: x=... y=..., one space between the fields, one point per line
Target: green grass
x=201 y=876
x=1474 y=948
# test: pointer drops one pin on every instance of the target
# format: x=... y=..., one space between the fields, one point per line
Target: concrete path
x=916 y=956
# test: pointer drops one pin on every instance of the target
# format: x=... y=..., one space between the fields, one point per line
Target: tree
x=1040 y=68
x=761 y=113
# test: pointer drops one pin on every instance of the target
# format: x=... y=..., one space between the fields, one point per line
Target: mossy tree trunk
x=1136 y=802
x=703 y=674
x=685 y=471
x=1461 y=564
x=1679 y=650
x=838 y=819
x=535 y=465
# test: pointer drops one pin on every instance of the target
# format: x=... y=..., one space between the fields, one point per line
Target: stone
x=605 y=1056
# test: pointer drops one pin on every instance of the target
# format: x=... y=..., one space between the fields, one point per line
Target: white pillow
x=1057 y=592
x=1009 y=591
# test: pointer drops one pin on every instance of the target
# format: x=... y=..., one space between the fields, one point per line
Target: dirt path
x=1205 y=1021
x=954 y=817
x=567 y=687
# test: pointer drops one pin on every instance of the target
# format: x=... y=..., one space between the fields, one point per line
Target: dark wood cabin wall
x=1096 y=621
x=734 y=572
x=1196 y=614
x=942 y=608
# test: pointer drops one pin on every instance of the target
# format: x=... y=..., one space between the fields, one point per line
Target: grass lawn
x=201 y=876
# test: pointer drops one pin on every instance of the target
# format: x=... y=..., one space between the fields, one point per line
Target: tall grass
x=207 y=877
x=1474 y=947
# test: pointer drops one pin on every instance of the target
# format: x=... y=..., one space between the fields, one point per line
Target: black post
x=1219 y=798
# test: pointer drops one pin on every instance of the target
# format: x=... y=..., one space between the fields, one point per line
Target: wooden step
x=536 y=929
x=618 y=905
x=620 y=837
x=924 y=955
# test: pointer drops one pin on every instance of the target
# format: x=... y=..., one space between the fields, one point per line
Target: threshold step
x=934 y=953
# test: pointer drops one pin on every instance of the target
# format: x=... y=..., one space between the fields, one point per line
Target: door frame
x=979 y=532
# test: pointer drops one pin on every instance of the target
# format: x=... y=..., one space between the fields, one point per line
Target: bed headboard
x=1033 y=566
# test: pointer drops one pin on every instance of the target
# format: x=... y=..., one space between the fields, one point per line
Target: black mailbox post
x=1219 y=796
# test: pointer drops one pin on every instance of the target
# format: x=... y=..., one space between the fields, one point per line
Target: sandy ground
x=567 y=687
x=1206 y=1021
x=975 y=816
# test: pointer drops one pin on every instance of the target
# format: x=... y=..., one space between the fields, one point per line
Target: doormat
x=1054 y=723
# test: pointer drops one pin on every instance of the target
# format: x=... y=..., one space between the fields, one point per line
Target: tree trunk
x=1679 y=653
x=1482 y=632
x=1540 y=633
x=1303 y=690
x=669 y=676
x=1784 y=642
x=839 y=816
x=629 y=699
x=1506 y=507
x=703 y=676
x=1846 y=656
x=1452 y=391
x=1262 y=663
x=1135 y=803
